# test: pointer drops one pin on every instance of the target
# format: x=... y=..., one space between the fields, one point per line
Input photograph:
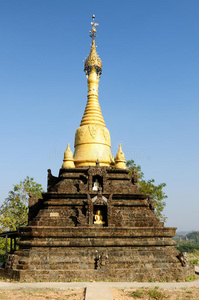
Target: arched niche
x=99 y=175
x=97 y=183
x=98 y=203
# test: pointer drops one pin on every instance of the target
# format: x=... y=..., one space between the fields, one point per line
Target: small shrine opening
x=97 y=183
x=100 y=215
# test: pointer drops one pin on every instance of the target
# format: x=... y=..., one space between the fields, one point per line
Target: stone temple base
x=62 y=243
x=121 y=275
x=99 y=258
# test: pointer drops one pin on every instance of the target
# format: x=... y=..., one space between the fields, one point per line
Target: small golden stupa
x=92 y=138
x=68 y=158
x=120 y=162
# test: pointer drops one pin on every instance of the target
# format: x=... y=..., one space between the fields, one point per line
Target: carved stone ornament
x=101 y=261
x=97 y=171
x=119 y=218
x=99 y=200
x=81 y=218
x=183 y=259
x=151 y=203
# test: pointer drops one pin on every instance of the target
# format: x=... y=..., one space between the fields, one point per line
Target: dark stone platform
x=62 y=243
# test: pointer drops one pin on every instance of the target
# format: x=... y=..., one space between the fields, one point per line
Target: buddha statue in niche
x=96 y=185
x=98 y=217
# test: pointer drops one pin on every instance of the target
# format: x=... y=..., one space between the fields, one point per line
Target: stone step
x=103 y=293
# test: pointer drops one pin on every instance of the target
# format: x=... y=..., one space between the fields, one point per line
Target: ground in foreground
x=42 y=294
x=156 y=293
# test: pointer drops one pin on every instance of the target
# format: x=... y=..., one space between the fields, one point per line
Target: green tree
x=194 y=235
x=149 y=187
x=14 y=210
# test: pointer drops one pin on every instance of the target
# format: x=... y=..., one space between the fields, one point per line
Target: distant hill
x=179 y=237
x=194 y=236
x=184 y=233
x=187 y=243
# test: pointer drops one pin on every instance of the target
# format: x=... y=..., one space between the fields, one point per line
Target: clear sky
x=149 y=89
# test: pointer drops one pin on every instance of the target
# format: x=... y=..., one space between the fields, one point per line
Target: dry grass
x=42 y=294
x=158 y=294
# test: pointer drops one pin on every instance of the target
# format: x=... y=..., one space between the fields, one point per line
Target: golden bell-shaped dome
x=92 y=138
x=68 y=158
x=120 y=162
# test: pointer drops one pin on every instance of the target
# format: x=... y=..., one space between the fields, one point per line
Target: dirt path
x=120 y=290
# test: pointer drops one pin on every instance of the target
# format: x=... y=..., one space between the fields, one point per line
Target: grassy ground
x=194 y=257
x=158 y=294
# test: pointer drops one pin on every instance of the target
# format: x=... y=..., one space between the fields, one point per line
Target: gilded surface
x=68 y=159
x=79 y=135
x=93 y=58
x=92 y=134
x=92 y=138
x=92 y=130
x=120 y=162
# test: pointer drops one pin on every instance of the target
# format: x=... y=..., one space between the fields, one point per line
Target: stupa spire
x=93 y=70
x=92 y=139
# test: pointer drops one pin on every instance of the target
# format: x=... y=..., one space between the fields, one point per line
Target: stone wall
x=62 y=242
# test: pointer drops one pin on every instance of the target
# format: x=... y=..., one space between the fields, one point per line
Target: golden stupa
x=92 y=138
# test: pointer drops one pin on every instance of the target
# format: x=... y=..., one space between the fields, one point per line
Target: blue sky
x=148 y=91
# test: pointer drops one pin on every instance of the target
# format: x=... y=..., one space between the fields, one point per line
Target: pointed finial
x=93 y=60
x=93 y=29
x=68 y=158
x=97 y=163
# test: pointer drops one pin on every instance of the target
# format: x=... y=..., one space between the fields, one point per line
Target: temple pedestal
x=62 y=242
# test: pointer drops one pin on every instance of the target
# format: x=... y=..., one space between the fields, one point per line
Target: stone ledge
x=93 y=232
x=92 y=242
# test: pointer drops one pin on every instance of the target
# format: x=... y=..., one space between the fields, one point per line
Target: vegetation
x=189 y=244
x=190 y=278
x=156 y=293
x=14 y=210
x=145 y=293
x=149 y=187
